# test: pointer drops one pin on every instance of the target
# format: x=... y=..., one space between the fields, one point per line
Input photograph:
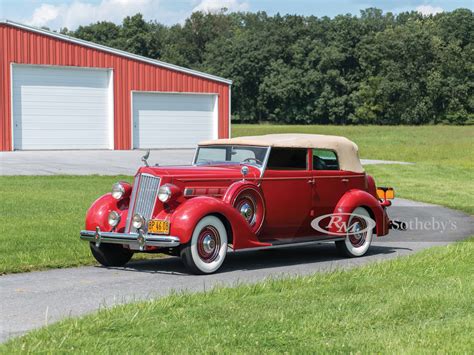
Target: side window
x=324 y=159
x=287 y=159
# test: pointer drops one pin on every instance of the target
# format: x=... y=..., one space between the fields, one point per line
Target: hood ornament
x=145 y=157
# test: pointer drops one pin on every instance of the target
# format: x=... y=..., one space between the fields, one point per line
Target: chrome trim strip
x=264 y=166
x=131 y=207
x=139 y=239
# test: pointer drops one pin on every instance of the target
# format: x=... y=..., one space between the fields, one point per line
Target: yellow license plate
x=157 y=226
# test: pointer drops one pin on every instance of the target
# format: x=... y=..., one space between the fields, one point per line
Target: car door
x=330 y=183
x=287 y=190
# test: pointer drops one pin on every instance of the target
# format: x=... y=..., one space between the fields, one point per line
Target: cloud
x=81 y=13
x=216 y=5
x=43 y=15
x=426 y=10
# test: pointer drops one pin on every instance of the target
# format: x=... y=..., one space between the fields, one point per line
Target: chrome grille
x=142 y=201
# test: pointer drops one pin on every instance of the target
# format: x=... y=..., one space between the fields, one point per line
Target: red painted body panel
x=97 y=215
x=288 y=199
x=184 y=218
x=20 y=46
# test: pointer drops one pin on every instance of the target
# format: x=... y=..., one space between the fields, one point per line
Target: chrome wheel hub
x=208 y=244
x=246 y=211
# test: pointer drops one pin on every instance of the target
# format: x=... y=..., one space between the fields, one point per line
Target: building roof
x=346 y=150
x=116 y=51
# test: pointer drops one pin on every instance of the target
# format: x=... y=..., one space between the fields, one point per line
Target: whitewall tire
x=207 y=249
x=357 y=244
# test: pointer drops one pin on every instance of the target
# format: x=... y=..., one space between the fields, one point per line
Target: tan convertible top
x=346 y=150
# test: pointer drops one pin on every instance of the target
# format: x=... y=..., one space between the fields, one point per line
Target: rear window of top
x=287 y=159
x=325 y=159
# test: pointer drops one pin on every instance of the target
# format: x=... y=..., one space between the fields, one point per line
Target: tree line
x=375 y=68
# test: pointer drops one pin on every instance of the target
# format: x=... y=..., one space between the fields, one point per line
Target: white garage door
x=62 y=108
x=163 y=120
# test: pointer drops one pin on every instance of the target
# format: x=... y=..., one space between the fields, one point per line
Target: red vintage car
x=247 y=192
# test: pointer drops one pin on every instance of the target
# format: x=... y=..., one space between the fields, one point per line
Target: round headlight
x=114 y=218
x=118 y=190
x=138 y=221
x=164 y=193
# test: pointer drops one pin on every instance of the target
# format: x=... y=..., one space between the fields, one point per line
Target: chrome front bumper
x=135 y=240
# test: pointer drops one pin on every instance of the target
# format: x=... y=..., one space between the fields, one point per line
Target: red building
x=58 y=92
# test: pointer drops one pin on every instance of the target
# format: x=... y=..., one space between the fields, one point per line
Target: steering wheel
x=250 y=159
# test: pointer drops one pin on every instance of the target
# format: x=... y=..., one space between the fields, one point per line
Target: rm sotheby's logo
x=343 y=224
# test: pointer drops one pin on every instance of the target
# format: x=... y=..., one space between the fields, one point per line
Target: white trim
x=11 y=109
x=174 y=92
x=132 y=118
x=52 y=66
x=111 y=103
x=117 y=52
x=216 y=116
x=230 y=112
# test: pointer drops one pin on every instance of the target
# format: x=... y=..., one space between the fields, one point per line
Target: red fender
x=359 y=198
x=185 y=217
x=97 y=214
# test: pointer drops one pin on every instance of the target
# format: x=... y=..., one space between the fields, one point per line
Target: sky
x=57 y=14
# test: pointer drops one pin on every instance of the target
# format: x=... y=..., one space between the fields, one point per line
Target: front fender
x=359 y=198
x=97 y=214
x=185 y=217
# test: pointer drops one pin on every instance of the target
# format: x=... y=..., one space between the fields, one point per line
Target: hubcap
x=246 y=211
x=209 y=244
x=246 y=207
x=359 y=232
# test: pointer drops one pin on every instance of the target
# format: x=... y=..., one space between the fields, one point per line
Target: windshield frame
x=261 y=168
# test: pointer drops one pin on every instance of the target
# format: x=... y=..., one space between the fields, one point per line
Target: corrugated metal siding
x=24 y=47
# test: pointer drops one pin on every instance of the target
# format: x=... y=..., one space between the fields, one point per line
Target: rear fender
x=359 y=198
x=185 y=217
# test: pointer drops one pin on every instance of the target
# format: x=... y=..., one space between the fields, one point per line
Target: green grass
x=444 y=157
x=418 y=304
x=41 y=219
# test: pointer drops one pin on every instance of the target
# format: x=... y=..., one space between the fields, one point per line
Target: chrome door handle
x=311 y=181
x=345 y=180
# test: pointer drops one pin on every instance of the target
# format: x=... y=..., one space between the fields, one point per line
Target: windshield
x=228 y=154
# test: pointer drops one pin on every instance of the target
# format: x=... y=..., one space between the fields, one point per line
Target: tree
x=374 y=68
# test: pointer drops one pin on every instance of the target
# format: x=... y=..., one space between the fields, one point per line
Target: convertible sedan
x=246 y=192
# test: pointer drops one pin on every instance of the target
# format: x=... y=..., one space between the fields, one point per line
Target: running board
x=283 y=243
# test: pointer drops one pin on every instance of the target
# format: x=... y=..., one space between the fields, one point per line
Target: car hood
x=185 y=172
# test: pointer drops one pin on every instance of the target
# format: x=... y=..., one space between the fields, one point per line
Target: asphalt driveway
x=32 y=300
x=101 y=162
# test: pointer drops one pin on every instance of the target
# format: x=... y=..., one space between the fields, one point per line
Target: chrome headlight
x=118 y=190
x=138 y=221
x=164 y=193
x=114 y=218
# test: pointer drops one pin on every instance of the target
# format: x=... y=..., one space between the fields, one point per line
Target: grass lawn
x=419 y=304
x=41 y=219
